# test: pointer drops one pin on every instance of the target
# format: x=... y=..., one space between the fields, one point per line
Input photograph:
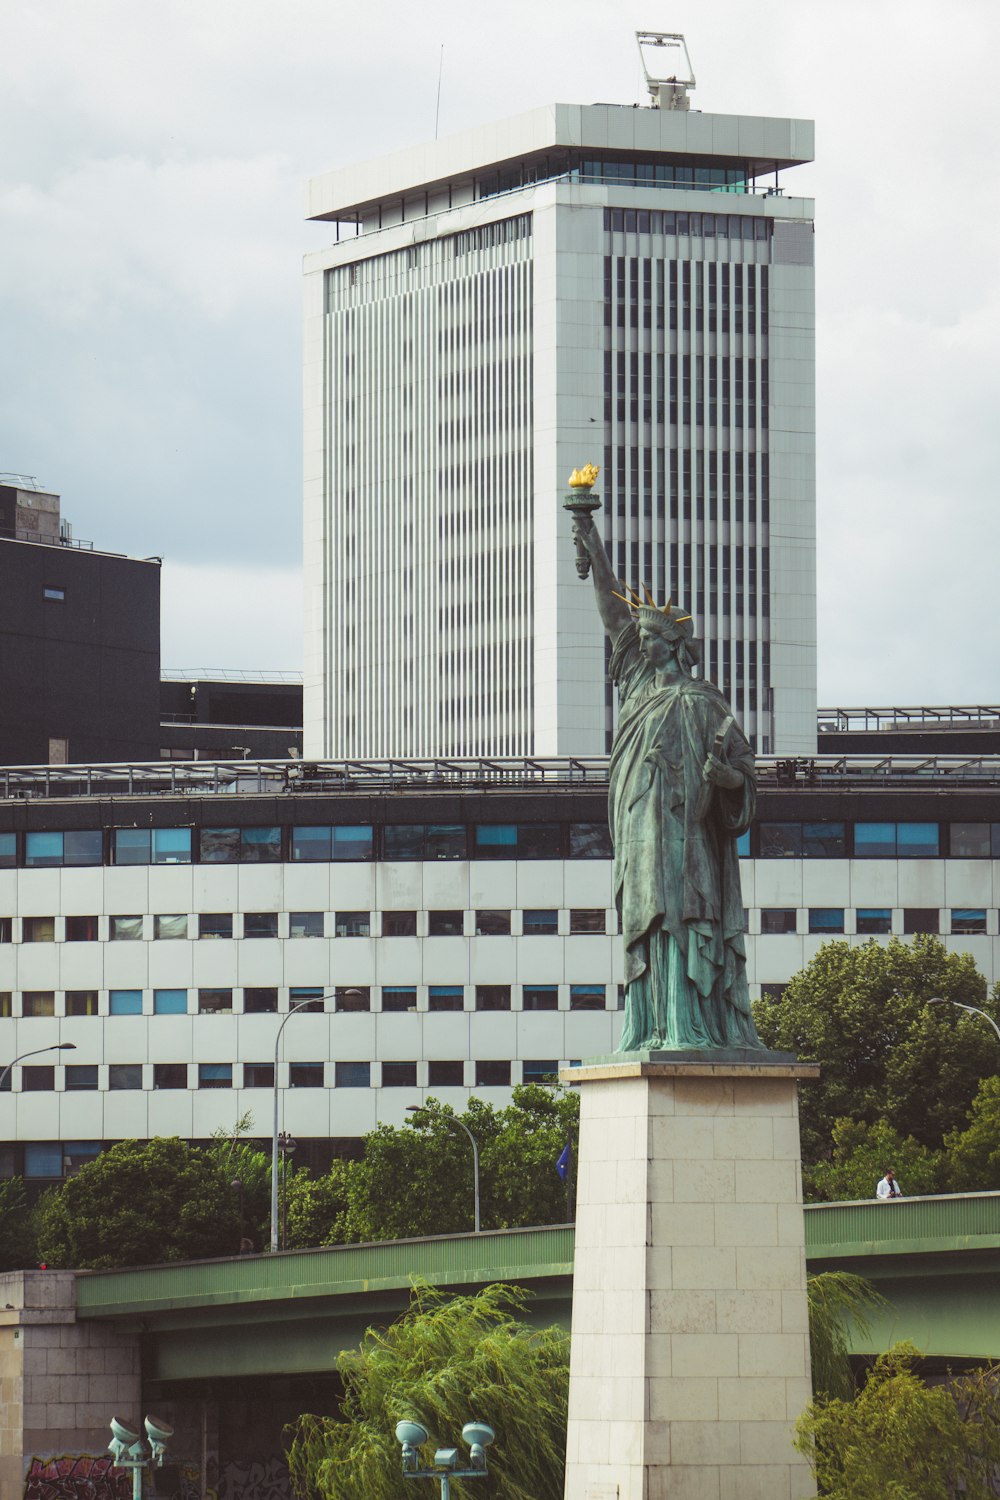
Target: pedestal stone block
x=690 y=1352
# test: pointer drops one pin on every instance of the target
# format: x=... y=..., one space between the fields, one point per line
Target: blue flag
x=562 y=1165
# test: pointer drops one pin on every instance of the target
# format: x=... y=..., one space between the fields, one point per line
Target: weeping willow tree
x=838 y=1304
x=446 y=1361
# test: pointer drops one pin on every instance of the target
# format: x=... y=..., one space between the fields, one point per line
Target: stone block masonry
x=690 y=1349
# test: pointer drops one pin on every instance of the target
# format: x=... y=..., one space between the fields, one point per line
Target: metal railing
x=949 y=716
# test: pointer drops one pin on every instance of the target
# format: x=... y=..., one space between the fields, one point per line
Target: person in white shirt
x=888 y=1187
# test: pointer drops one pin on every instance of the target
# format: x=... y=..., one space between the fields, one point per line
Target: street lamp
x=274 y=1132
x=411 y=1437
x=413 y=1109
x=972 y=1009
x=128 y=1452
x=53 y=1047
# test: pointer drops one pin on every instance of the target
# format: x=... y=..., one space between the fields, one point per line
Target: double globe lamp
x=127 y=1450
x=412 y=1436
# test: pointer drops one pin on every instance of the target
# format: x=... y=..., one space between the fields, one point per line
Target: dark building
x=79 y=641
x=229 y=715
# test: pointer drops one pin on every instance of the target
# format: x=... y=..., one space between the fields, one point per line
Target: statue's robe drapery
x=676 y=871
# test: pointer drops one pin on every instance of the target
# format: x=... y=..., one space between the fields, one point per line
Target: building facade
x=624 y=286
x=453 y=926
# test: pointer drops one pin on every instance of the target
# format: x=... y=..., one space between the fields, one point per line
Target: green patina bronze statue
x=682 y=791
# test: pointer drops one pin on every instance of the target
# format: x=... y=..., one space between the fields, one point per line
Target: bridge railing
x=938 y=1223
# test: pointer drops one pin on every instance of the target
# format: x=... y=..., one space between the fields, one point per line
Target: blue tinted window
x=352 y=841
x=125 y=1002
x=968 y=920
x=536 y=1069
x=260 y=845
x=826 y=919
x=215 y=1075
x=492 y=838
x=780 y=840
x=171 y=846
x=83 y=847
x=586 y=997
x=43 y=849
x=875 y=840
x=352 y=1075
x=917 y=840
x=311 y=843
x=874 y=919
x=77 y=1154
x=8 y=850
x=743 y=845
x=170 y=1002
x=130 y=846
x=824 y=840
x=43 y=1159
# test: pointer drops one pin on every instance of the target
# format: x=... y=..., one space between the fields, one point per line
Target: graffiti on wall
x=76 y=1476
x=255 y=1479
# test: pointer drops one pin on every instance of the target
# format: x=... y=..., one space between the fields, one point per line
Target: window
x=260 y=1000
x=258 y=1075
x=969 y=841
x=540 y=997
x=743 y=844
x=493 y=997
x=125 y=1076
x=446 y=997
x=81 y=929
x=227 y=846
x=773 y=991
x=424 y=841
x=38 y=1080
x=305 y=1075
x=492 y=923
x=918 y=840
x=587 y=997
x=921 y=919
x=492 y=1074
x=589 y=841
x=8 y=851
x=38 y=1003
x=170 y=1002
x=874 y=919
x=215 y=1002
x=81 y=1002
x=310 y=997
x=353 y=924
x=151 y=846
x=352 y=1075
x=399 y=1075
x=215 y=924
x=348 y=842
x=125 y=929
x=260 y=924
x=537 y=923
x=215 y=1075
x=399 y=924
x=824 y=919
x=780 y=840
x=43 y=1159
x=306 y=924
x=445 y=923
x=777 y=919
x=539 y=1069
x=170 y=1076
x=968 y=920
x=54 y=592
x=352 y=998
x=6 y=930
x=173 y=925
x=125 y=1002
x=81 y=1077
x=824 y=840
x=586 y=919
x=77 y=1154
x=889 y=840
x=445 y=1074
x=396 y=997
x=45 y=850
x=38 y=930
x=517 y=841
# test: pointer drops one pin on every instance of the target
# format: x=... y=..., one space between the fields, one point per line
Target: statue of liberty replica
x=681 y=792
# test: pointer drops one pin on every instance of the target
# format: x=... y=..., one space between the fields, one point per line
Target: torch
x=581 y=504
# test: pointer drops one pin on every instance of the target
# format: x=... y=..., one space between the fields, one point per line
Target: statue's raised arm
x=608 y=589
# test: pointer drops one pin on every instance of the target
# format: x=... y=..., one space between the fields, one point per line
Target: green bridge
x=935 y=1260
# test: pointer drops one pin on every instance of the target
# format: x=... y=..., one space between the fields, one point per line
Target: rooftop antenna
x=668 y=85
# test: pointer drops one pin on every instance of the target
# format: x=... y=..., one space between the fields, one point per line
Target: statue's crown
x=666 y=621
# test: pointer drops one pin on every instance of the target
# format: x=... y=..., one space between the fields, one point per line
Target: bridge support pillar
x=690 y=1351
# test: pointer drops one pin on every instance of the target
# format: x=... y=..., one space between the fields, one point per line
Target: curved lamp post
x=412 y=1109
x=972 y=1009
x=54 y=1047
x=274 y=1132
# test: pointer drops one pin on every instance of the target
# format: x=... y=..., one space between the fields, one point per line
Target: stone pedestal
x=690 y=1357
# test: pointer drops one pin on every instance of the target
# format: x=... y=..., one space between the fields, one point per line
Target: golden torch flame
x=583 y=479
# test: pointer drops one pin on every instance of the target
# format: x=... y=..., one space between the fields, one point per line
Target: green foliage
x=838 y=1302
x=861 y=1153
x=17 y=1228
x=316 y=1207
x=446 y=1361
x=138 y=1203
x=973 y=1154
x=862 y=1013
x=419 y=1179
x=902 y=1440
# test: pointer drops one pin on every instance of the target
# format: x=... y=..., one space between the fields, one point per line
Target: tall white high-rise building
x=625 y=286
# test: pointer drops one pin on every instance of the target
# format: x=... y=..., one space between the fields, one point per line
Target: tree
x=446 y=1361
x=861 y=1153
x=838 y=1301
x=973 y=1154
x=419 y=1179
x=316 y=1207
x=139 y=1203
x=885 y=1054
x=17 y=1230
x=900 y=1439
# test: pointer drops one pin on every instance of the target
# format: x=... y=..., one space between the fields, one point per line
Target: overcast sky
x=152 y=160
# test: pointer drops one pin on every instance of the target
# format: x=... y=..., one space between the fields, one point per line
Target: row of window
x=54 y=849
x=867 y=840
x=665 y=221
x=261 y=1000
x=486 y=922
x=85 y=1077
x=873 y=920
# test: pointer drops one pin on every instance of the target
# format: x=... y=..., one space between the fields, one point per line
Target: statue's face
x=655 y=648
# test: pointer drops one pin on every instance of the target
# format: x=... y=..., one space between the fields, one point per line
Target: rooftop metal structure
x=227 y=674
x=951 y=716
x=292 y=777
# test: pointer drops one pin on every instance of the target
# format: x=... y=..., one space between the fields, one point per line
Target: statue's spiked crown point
x=648 y=613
